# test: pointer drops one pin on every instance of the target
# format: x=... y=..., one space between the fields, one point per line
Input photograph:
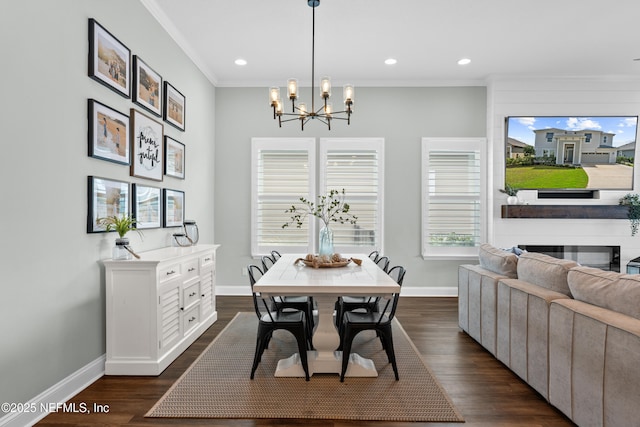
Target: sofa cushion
x=498 y=261
x=606 y=289
x=546 y=271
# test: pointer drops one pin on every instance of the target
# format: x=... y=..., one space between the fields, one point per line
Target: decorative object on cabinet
x=173 y=202
x=147 y=146
x=174 y=106
x=107 y=197
x=174 y=162
x=191 y=231
x=122 y=225
x=147 y=206
x=633 y=202
x=147 y=86
x=512 y=193
x=157 y=306
x=108 y=134
x=109 y=60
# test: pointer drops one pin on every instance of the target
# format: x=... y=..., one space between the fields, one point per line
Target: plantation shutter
x=355 y=165
x=282 y=172
x=452 y=188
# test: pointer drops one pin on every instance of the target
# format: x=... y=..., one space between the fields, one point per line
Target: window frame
x=317 y=150
x=350 y=144
x=453 y=144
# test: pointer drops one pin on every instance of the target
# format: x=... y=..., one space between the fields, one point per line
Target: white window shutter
x=454 y=208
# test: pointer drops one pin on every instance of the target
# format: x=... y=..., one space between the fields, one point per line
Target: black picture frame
x=108 y=136
x=147 y=87
x=174 y=108
x=146 y=206
x=174 y=158
x=147 y=146
x=109 y=60
x=173 y=208
x=106 y=197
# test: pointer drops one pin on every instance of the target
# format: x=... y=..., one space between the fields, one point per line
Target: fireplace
x=603 y=257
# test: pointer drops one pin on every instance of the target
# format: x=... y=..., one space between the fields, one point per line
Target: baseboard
x=414 y=291
x=54 y=397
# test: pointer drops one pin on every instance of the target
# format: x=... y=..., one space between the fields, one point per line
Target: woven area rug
x=217 y=385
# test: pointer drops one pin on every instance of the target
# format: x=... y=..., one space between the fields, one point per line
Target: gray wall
x=401 y=115
x=52 y=304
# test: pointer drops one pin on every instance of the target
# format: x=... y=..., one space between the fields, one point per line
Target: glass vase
x=326 y=241
x=120 y=251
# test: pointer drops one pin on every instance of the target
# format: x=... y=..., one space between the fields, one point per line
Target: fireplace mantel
x=566 y=211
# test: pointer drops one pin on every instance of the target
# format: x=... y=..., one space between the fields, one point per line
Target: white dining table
x=325 y=285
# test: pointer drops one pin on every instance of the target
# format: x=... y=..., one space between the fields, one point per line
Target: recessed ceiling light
x=390 y=61
x=464 y=61
x=240 y=61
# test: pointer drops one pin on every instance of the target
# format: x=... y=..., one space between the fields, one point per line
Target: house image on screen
x=515 y=148
x=627 y=150
x=576 y=147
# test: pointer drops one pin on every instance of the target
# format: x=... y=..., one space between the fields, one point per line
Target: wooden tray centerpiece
x=327 y=261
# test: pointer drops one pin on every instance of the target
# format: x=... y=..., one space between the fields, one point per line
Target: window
x=587 y=137
x=453 y=196
x=549 y=136
x=284 y=169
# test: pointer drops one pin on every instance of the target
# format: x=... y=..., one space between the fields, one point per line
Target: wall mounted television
x=566 y=156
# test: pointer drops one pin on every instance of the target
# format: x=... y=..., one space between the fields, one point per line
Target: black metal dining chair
x=275 y=255
x=383 y=263
x=355 y=322
x=269 y=321
x=374 y=256
x=302 y=303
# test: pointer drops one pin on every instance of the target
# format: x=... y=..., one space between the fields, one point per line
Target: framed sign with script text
x=147 y=146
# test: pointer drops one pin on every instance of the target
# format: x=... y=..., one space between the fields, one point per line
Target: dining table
x=290 y=276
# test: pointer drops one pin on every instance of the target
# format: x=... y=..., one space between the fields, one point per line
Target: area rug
x=217 y=384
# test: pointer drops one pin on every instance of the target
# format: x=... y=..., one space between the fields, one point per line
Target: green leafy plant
x=633 y=202
x=121 y=224
x=509 y=190
x=329 y=208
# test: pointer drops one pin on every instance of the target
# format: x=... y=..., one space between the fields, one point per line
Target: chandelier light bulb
x=325 y=87
x=348 y=93
x=327 y=109
x=292 y=88
x=302 y=108
x=274 y=95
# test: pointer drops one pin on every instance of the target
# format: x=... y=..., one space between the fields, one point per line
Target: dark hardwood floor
x=483 y=390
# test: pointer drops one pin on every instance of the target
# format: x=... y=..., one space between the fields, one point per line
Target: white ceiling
x=427 y=37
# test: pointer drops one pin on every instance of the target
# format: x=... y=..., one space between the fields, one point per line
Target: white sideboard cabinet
x=157 y=306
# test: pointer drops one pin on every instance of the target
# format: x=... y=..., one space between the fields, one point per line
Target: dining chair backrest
x=255 y=273
x=374 y=256
x=275 y=255
x=383 y=263
x=397 y=274
x=267 y=262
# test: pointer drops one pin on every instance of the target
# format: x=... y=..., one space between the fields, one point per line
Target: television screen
x=570 y=152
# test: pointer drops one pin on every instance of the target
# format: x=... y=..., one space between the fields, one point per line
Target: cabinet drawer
x=206 y=260
x=169 y=272
x=190 y=269
x=191 y=319
x=191 y=294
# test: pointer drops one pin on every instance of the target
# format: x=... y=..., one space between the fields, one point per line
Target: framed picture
x=147 y=206
x=174 y=106
x=146 y=146
x=107 y=197
x=173 y=202
x=147 y=86
x=173 y=158
x=109 y=60
x=108 y=133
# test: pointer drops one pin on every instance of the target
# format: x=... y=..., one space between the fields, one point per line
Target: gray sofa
x=571 y=332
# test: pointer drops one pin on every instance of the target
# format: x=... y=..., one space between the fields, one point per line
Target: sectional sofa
x=571 y=332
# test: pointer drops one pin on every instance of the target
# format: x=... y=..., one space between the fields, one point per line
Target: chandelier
x=300 y=112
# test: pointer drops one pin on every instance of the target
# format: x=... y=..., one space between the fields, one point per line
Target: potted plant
x=329 y=208
x=633 y=202
x=122 y=225
x=512 y=192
